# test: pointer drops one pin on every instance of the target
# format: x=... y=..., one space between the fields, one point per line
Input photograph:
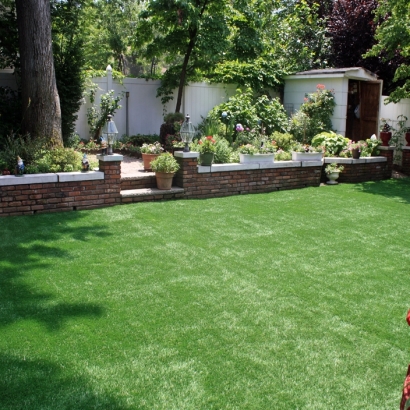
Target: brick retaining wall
x=66 y=191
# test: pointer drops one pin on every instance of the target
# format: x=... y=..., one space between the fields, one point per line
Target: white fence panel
x=145 y=110
x=391 y=111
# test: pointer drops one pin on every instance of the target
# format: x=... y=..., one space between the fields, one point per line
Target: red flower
x=320 y=87
x=209 y=137
x=408 y=317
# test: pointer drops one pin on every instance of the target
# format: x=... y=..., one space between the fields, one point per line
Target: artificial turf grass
x=263 y=301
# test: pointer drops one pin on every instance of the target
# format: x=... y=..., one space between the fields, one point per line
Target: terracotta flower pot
x=147 y=158
x=164 y=180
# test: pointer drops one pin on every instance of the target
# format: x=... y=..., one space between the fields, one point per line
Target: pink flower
x=408 y=317
x=320 y=87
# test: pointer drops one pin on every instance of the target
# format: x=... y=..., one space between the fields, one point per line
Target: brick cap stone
x=7 y=180
x=79 y=176
x=182 y=154
x=110 y=158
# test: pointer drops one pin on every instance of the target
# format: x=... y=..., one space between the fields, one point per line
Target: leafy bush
x=250 y=111
x=57 y=160
x=333 y=143
x=165 y=163
x=223 y=151
x=172 y=117
x=282 y=155
x=283 y=141
x=141 y=139
x=24 y=146
x=314 y=115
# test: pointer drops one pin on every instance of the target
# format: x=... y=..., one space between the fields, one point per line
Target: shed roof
x=353 y=73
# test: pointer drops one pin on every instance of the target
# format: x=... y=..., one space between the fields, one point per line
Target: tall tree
x=68 y=54
x=393 y=44
x=41 y=103
x=191 y=33
x=352 y=28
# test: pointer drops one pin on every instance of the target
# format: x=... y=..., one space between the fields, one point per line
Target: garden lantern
x=111 y=131
x=187 y=133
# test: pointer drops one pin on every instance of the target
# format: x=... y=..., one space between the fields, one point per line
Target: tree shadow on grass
x=32 y=247
x=391 y=188
x=39 y=384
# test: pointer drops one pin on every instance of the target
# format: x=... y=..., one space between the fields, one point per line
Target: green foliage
x=68 y=53
x=333 y=167
x=283 y=141
x=173 y=117
x=165 y=163
x=282 y=155
x=393 y=39
x=141 y=139
x=29 y=149
x=57 y=160
x=314 y=115
x=97 y=117
x=251 y=112
x=332 y=143
x=223 y=151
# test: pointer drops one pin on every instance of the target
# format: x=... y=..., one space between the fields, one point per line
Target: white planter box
x=256 y=158
x=306 y=156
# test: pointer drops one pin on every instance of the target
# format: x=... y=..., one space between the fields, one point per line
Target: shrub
x=165 y=163
x=314 y=115
x=333 y=143
x=222 y=151
x=141 y=139
x=58 y=160
x=283 y=141
x=28 y=148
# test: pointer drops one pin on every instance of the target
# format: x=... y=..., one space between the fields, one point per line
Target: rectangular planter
x=306 y=156
x=256 y=158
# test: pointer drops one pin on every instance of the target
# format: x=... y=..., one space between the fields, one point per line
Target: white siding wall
x=295 y=90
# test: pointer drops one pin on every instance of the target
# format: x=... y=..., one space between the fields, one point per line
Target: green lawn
x=288 y=300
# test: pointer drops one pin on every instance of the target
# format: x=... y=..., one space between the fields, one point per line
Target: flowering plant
x=207 y=145
x=267 y=147
x=298 y=147
x=154 y=148
x=360 y=145
x=333 y=167
x=248 y=149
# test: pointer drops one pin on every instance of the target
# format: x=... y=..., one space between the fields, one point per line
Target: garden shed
x=357 y=96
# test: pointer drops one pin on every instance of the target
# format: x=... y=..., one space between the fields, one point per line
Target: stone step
x=151 y=194
x=138 y=182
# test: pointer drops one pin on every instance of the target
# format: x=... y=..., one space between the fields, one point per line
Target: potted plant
x=250 y=153
x=407 y=137
x=385 y=133
x=149 y=153
x=356 y=148
x=332 y=171
x=304 y=152
x=207 y=150
x=164 y=166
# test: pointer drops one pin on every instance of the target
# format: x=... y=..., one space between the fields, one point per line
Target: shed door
x=369 y=108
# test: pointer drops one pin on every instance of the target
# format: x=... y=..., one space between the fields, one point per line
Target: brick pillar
x=188 y=170
x=387 y=152
x=405 y=163
x=111 y=166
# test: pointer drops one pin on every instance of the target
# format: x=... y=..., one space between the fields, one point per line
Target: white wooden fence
x=143 y=113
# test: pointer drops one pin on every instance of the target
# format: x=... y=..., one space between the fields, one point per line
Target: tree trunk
x=184 y=69
x=40 y=100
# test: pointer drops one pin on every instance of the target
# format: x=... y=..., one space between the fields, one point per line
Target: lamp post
x=111 y=131
x=187 y=133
